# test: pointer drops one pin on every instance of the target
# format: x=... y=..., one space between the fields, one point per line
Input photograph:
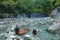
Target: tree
x=16 y=7
x=57 y=2
x=9 y=6
x=47 y=7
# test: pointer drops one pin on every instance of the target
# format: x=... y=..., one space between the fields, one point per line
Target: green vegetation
x=57 y=2
x=16 y=7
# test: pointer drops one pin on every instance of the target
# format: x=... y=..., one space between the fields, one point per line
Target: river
x=31 y=23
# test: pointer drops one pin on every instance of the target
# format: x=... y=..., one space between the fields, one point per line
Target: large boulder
x=54 y=28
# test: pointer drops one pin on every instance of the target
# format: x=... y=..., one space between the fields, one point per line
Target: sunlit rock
x=54 y=28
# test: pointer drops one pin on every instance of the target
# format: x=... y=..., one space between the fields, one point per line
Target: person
x=35 y=31
x=16 y=30
x=20 y=32
x=32 y=36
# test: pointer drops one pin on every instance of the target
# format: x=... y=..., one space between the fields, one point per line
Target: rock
x=54 y=28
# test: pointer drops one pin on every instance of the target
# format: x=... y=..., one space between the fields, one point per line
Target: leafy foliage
x=57 y=2
x=16 y=7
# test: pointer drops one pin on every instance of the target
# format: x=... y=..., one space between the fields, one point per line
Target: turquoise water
x=43 y=34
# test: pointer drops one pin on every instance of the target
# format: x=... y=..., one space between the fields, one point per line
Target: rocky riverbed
x=32 y=23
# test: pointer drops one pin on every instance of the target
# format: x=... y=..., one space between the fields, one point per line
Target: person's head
x=16 y=26
x=34 y=32
x=16 y=30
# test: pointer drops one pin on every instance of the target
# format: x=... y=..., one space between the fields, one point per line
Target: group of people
x=25 y=30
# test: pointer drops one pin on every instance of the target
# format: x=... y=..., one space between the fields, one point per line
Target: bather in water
x=33 y=36
x=20 y=32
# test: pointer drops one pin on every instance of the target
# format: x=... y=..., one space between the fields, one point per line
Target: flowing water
x=32 y=23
